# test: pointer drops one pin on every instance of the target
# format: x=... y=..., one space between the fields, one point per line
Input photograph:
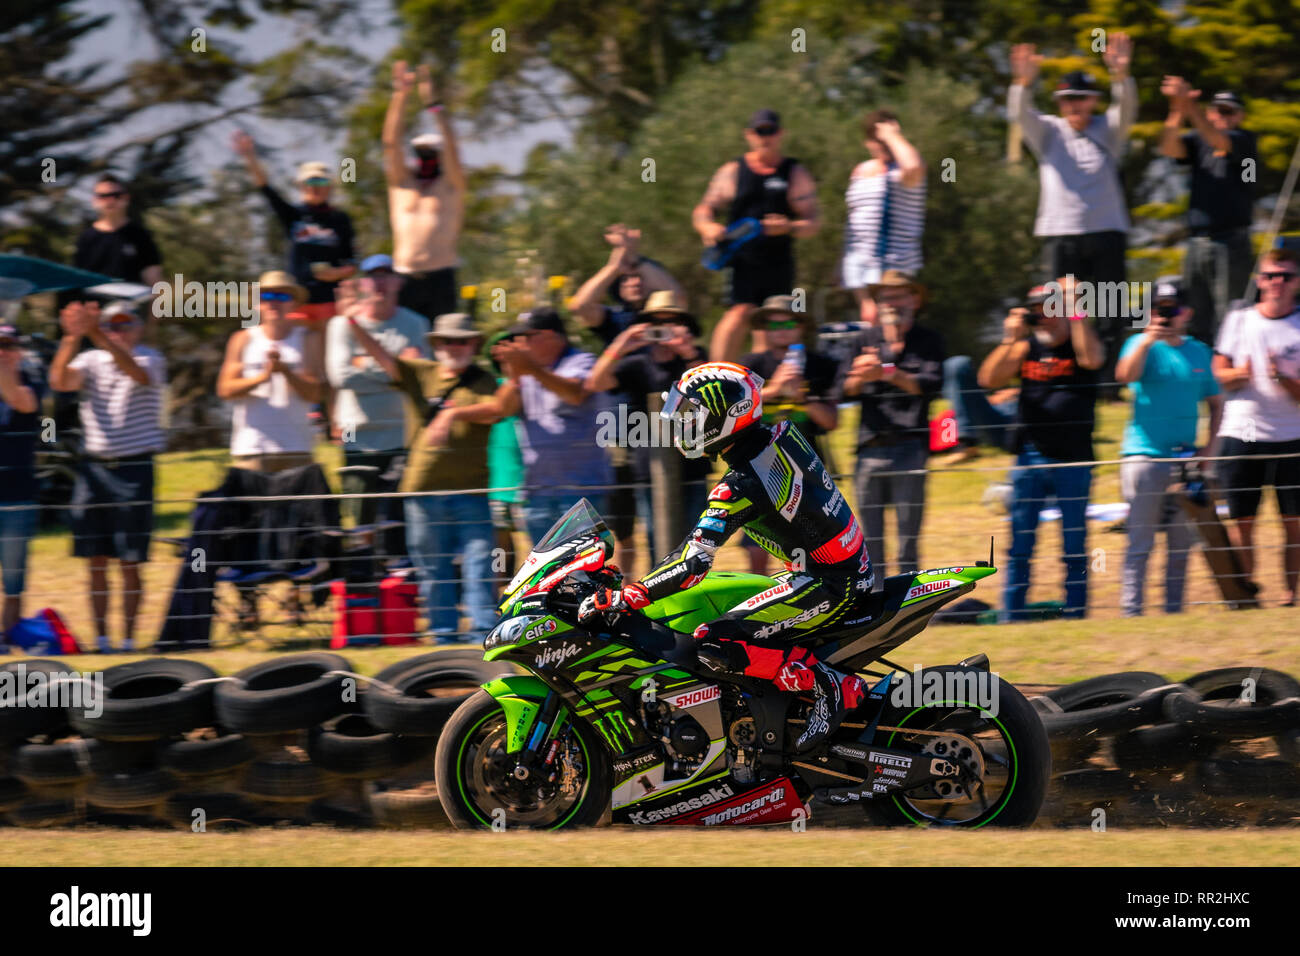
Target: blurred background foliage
x=667 y=81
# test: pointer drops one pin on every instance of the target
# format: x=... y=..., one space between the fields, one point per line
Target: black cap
x=1227 y=98
x=764 y=118
x=1076 y=83
x=539 y=320
x=1169 y=287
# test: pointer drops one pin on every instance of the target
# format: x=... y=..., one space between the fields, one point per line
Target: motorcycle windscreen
x=580 y=521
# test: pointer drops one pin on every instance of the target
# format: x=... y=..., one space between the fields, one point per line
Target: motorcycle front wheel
x=479 y=785
x=1004 y=774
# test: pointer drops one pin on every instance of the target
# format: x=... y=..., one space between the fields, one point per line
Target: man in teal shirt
x=1169 y=374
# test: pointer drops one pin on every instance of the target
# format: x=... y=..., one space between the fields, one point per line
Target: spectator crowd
x=431 y=413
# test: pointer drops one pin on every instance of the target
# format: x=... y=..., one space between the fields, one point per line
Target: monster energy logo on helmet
x=713 y=397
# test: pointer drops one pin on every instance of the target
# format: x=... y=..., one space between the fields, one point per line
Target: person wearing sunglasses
x=896 y=374
x=368 y=414
x=799 y=384
x=780 y=193
x=121 y=384
x=1217 y=151
x=113 y=244
x=426 y=199
x=1257 y=362
x=272 y=374
x=320 y=235
x=1082 y=215
x=21 y=391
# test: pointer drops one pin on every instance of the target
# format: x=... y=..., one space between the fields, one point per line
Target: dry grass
x=320 y=846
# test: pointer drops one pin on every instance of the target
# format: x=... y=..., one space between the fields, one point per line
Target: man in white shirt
x=1257 y=363
x=121 y=383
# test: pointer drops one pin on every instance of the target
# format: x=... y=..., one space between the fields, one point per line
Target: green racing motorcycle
x=623 y=719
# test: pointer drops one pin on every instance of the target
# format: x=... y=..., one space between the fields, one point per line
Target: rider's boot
x=835 y=694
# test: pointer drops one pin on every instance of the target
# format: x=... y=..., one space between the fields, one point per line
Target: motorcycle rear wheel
x=478 y=789
x=1014 y=749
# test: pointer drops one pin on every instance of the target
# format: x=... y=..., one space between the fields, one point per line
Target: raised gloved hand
x=610 y=602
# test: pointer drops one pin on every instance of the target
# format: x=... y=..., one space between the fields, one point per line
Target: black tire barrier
x=13 y=792
x=20 y=722
x=1106 y=704
x=65 y=762
x=149 y=700
x=220 y=810
x=289 y=693
x=1166 y=746
x=408 y=809
x=206 y=756
x=1261 y=779
x=284 y=778
x=1225 y=683
x=45 y=813
x=1232 y=719
x=351 y=746
x=416 y=697
x=130 y=790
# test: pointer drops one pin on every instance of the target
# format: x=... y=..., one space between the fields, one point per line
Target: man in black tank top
x=779 y=192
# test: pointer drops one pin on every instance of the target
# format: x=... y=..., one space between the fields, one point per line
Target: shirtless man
x=779 y=192
x=426 y=201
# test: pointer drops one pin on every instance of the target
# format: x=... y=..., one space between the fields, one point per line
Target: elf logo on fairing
x=944 y=571
x=742 y=809
x=690 y=698
x=537 y=630
x=931 y=587
x=698 y=802
x=556 y=654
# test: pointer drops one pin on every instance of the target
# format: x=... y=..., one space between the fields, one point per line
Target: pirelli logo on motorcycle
x=890 y=760
x=691 y=698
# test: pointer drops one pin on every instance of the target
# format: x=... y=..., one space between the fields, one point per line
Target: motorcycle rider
x=778 y=491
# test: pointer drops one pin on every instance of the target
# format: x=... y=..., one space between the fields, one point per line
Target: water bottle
x=794 y=357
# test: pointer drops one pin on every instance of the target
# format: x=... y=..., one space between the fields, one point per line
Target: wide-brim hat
x=664 y=303
x=777 y=305
x=453 y=325
x=279 y=281
x=312 y=170
x=897 y=278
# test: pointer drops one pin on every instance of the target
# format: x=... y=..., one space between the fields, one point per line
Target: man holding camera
x=629 y=278
x=1169 y=373
x=648 y=358
x=896 y=374
x=1056 y=355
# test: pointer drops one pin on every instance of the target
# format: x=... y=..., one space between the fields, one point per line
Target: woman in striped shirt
x=886 y=210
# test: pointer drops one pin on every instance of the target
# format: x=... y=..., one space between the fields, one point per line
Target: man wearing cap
x=21 y=390
x=1222 y=157
x=426 y=202
x=780 y=193
x=1082 y=217
x=644 y=359
x=629 y=277
x=272 y=374
x=559 y=418
x=320 y=235
x=1056 y=358
x=369 y=415
x=1169 y=374
x=451 y=409
x=121 y=383
x=897 y=372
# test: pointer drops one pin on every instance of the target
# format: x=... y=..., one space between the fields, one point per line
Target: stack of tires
x=295 y=738
x=1220 y=748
